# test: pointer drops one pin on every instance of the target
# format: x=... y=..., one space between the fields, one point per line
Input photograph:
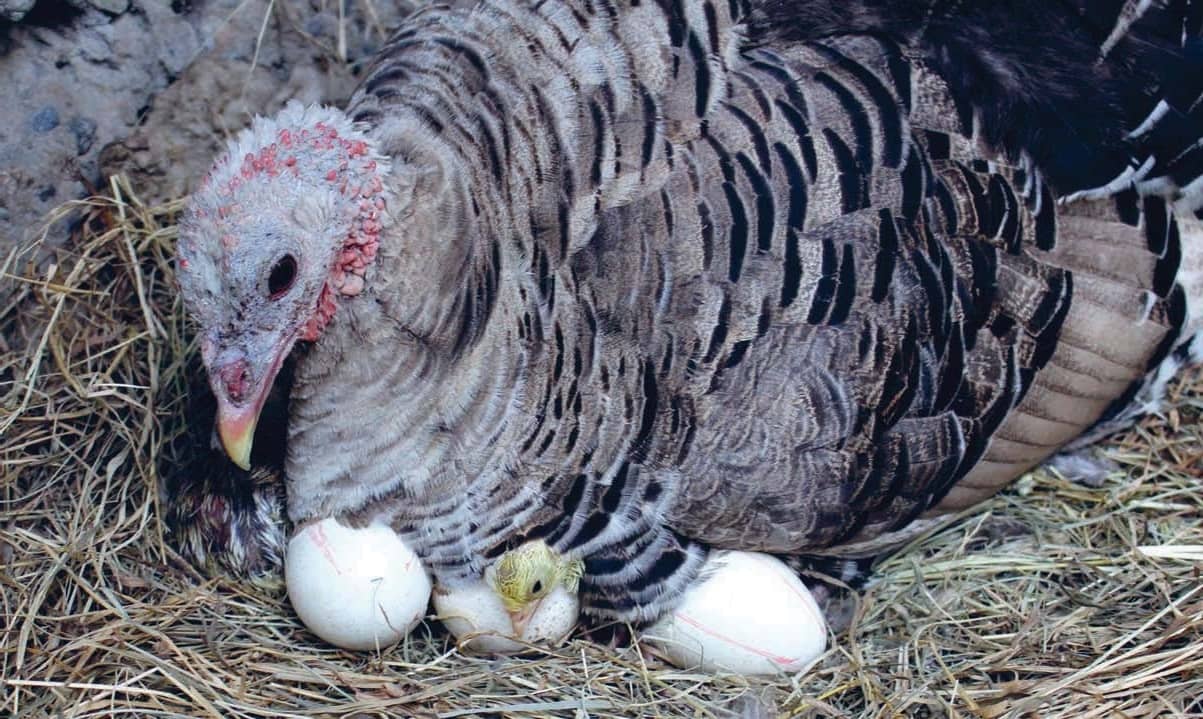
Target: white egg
x=750 y=615
x=555 y=618
x=474 y=614
x=355 y=588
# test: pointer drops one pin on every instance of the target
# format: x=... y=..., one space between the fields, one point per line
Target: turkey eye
x=283 y=274
x=536 y=587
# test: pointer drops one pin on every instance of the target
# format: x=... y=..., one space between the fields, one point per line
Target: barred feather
x=789 y=277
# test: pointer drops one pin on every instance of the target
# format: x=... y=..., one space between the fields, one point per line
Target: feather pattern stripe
x=656 y=278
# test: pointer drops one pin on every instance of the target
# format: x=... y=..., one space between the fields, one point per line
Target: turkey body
x=675 y=276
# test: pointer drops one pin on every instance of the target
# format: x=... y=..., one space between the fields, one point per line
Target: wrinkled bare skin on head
x=287 y=221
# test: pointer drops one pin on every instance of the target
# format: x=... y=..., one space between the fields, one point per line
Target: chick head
x=523 y=576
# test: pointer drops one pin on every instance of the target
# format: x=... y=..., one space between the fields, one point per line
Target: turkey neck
x=411 y=387
x=451 y=376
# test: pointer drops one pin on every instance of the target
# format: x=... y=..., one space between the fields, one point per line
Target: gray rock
x=44 y=120
x=112 y=7
x=84 y=130
x=14 y=10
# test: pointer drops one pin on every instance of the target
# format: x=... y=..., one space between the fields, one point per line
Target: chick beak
x=522 y=617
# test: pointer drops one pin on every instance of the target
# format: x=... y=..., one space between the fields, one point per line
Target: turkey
x=646 y=280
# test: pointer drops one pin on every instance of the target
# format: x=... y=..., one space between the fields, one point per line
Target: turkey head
x=285 y=222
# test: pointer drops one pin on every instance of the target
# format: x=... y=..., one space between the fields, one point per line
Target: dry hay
x=1052 y=600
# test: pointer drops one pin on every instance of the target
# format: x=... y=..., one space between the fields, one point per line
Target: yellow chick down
x=523 y=576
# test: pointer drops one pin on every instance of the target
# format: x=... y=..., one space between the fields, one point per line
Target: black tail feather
x=1063 y=81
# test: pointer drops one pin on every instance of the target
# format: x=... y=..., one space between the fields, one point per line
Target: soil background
x=150 y=88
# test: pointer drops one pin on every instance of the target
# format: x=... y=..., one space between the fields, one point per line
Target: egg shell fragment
x=750 y=614
x=355 y=588
x=474 y=614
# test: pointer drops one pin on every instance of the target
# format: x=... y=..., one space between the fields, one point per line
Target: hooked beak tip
x=237 y=432
x=241 y=388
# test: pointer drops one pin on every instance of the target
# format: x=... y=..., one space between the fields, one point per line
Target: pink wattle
x=321 y=315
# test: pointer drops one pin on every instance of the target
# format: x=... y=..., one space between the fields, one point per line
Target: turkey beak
x=241 y=388
x=236 y=427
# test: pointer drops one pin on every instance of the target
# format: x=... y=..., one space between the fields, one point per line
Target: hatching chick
x=228 y=521
x=523 y=577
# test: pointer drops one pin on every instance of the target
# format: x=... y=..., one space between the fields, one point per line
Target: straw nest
x=1051 y=600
